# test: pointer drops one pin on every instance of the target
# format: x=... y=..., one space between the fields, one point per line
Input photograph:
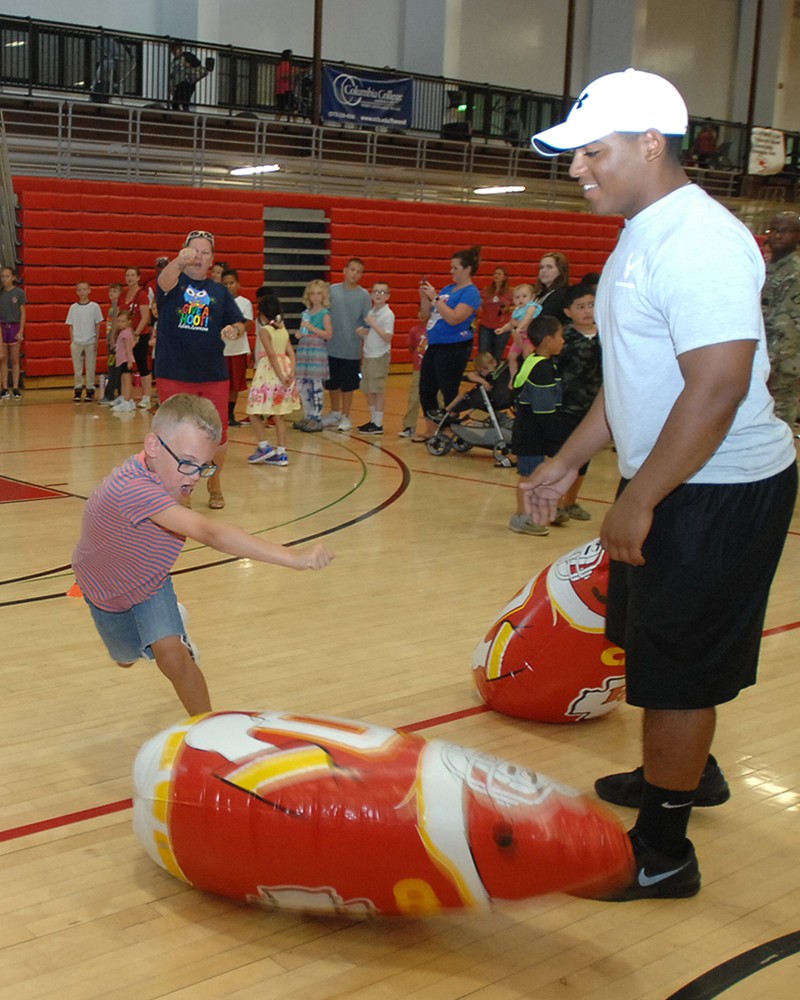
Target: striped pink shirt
x=122 y=558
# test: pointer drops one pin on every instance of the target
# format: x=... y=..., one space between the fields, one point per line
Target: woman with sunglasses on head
x=196 y=315
x=134 y=527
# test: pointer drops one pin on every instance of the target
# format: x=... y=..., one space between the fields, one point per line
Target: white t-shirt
x=83 y=317
x=375 y=346
x=685 y=274
x=241 y=345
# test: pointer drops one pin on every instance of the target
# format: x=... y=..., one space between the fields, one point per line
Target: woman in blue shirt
x=449 y=318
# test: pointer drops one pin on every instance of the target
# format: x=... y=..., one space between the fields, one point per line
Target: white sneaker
x=126 y=406
x=144 y=403
x=331 y=420
x=345 y=424
x=185 y=639
x=118 y=402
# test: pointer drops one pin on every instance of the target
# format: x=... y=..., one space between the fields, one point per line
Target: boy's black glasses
x=187 y=468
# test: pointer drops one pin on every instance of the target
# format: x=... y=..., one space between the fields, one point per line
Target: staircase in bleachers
x=88 y=230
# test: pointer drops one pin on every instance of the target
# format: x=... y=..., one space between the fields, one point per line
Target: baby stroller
x=469 y=428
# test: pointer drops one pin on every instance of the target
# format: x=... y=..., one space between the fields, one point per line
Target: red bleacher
x=75 y=230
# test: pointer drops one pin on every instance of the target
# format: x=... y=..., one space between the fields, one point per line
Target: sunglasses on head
x=199 y=234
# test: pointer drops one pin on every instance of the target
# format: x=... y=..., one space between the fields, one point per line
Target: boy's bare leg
x=176 y=664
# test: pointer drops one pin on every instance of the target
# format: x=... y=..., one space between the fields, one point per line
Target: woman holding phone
x=449 y=316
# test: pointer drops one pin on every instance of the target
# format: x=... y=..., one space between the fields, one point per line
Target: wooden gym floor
x=424 y=563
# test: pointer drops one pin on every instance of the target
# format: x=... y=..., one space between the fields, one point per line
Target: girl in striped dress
x=312 y=356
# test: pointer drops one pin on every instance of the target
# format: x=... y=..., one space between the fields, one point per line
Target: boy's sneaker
x=116 y=403
x=625 y=789
x=105 y=401
x=562 y=517
x=659 y=876
x=311 y=426
x=366 y=428
x=3 y=394
x=345 y=424
x=261 y=454
x=144 y=403
x=126 y=406
x=89 y=397
x=406 y=432
x=331 y=419
x=76 y=395
x=279 y=458
x=17 y=394
x=577 y=513
x=194 y=652
x=523 y=525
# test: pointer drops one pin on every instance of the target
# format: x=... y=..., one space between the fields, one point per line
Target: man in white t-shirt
x=377 y=333
x=237 y=352
x=84 y=319
x=709 y=475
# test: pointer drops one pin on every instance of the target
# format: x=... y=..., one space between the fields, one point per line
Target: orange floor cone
x=74 y=591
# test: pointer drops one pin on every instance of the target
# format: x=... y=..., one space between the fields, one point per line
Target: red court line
x=66 y=820
x=14 y=833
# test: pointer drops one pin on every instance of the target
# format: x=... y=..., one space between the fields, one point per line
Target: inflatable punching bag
x=546 y=657
x=336 y=816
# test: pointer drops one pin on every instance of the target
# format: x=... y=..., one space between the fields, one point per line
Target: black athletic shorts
x=690 y=619
x=344 y=374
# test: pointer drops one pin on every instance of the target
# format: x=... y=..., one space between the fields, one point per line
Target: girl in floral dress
x=273 y=392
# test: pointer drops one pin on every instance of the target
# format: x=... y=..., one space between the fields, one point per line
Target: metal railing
x=38 y=58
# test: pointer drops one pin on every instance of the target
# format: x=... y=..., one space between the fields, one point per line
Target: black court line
x=729 y=973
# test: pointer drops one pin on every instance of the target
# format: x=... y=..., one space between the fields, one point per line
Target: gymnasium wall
x=74 y=230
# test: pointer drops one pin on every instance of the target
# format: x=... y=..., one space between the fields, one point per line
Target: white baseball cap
x=628 y=101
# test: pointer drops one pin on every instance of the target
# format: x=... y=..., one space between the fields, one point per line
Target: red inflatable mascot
x=546 y=657
x=336 y=816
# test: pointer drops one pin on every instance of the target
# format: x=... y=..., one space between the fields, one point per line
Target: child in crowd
x=12 y=324
x=581 y=378
x=84 y=319
x=312 y=357
x=237 y=351
x=377 y=333
x=274 y=390
x=417 y=343
x=537 y=431
x=125 y=363
x=134 y=527
x=112 y=315
x=484 y=367
x=524 y=312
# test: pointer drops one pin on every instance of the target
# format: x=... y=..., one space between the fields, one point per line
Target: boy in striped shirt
x=134 y=527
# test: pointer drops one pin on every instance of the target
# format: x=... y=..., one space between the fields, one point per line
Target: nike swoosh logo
x=646 y=880
x=677 y=805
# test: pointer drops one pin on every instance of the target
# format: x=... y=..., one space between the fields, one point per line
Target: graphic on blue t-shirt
x=195 y=312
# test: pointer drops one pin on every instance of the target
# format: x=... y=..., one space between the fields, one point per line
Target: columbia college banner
x=366 y=100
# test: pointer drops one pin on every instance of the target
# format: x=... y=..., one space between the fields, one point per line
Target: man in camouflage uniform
x=780 y=302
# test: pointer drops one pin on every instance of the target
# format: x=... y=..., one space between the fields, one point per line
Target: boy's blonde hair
x=185 y=408
x=311 y=286
x=485 y=360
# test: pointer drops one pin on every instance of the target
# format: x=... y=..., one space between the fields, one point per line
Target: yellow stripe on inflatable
x=279 y=767
x=496 y=653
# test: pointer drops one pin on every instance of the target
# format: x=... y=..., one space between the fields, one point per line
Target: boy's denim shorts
x=128 y=635
x=527 y=463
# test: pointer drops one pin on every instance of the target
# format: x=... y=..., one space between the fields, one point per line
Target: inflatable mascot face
x=337 y=816
x=546 y=657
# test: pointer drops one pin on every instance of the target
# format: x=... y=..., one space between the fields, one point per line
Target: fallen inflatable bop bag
x=546 y=657
x=336 y=816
